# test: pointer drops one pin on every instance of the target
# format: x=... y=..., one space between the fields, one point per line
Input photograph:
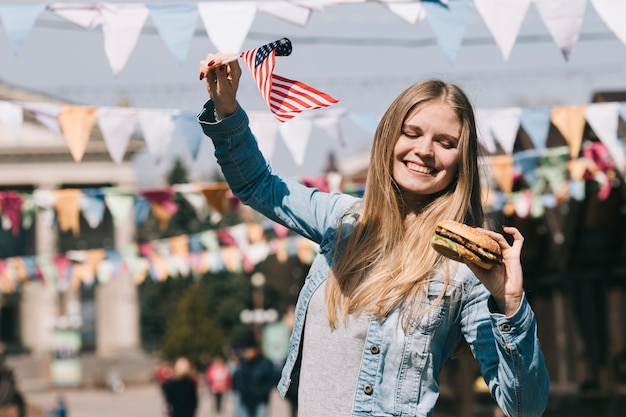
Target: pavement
x=135 y=401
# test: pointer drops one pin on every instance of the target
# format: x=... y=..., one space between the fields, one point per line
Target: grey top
x=330 y=361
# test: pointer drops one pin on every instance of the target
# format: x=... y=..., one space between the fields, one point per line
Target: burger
x=461 y=242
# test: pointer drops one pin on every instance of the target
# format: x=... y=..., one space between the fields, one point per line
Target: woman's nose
x=424 y=147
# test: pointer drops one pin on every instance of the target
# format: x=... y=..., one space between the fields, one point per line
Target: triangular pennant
x=120 y=205
x=612 y=13
x=502 y=166
x=504 y=127
x=216 y=195
x=284 y=10
x=411 y=12
x=536 y=123
x=194 y=197
x=18 y=20
x=46 y=113
x=227 y=23
x=296 y=135
x=11 y=117
x=117 y=125
x=186 y=123
x=570 y=120
x=157 y=127
x=564 y=19
x=265 y=129
x=504 y=19
x=67 y=206
x=85 y=15
x=329 y=122
x=603 y=119
x=121 y=26
x=483 y=129
x=92 y=206
x=76 y=124
x=448 y=23
x=526 y=162
x=176 y=23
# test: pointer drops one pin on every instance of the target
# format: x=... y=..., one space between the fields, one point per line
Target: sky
x=361 y=54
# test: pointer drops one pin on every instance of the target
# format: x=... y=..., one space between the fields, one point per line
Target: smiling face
x=425 y=156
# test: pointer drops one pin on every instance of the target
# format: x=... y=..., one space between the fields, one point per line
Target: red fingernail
x=474 y=227
x=210 y=63
x=201 y=76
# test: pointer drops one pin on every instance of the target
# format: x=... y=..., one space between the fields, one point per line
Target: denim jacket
x=399 y=373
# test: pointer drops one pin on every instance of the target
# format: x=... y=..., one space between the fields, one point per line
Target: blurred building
x=107 y=316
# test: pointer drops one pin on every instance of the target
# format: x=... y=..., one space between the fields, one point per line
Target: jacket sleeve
x=508 y=352
x=305 y=210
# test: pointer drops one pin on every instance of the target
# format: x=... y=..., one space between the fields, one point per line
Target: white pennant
x=563 y=18
x=328 y=121
x=412 y=12
x=46 y=113
x=117 y=125
x=11 y=116
x=158 y=128
x=483 y=128
x=122 y=24
x=284 y=10
x=194 y=197
x=265 y=129
x=504 y=125
x=613 y=12
x=227 y=23
x=603 y=119
x=84 y=15
x=504 y=19
x=296 y=134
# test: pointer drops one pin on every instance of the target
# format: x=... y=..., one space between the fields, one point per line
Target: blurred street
x=135 y=401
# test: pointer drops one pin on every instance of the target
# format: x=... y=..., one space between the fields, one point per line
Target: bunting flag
x=285 y=97
x=504 y=19
x=563 y=18
x=176 y=23
x=570 y=120
x=76 y=123
x=448 y=22
x=18 y=21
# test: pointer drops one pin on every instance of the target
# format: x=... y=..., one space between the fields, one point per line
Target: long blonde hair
x=387 y=259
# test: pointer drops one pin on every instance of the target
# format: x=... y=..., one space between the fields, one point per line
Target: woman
x=383 y=310
x=181 y=392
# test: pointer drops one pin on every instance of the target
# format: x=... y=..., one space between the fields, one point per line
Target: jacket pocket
x=434 y=306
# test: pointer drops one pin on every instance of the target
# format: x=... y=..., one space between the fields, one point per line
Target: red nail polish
x=474 y=227
x=201 y=76
x=210 y=63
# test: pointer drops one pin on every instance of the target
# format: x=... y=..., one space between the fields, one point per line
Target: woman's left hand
x=504 y=281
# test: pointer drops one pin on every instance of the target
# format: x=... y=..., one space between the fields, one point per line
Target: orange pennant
x=67 y=205
x=76 y=123
x=502 y=166
x=162 y=215
x=216 y=195
x=570 y=120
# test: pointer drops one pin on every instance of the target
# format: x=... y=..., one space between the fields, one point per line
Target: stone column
x=39 y=306
x=117 y=306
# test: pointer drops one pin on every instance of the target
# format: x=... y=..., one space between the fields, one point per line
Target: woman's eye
x=410 y=134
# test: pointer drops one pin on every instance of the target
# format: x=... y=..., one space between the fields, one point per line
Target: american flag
x=285 y=97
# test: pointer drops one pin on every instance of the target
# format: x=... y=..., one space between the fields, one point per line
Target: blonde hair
x=387 y=259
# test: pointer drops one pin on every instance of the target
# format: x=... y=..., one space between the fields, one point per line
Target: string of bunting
x=227 y=23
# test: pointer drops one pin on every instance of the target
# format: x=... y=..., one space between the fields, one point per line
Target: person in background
x=254 y=379
x=218 y=380
x=381 y=311
x=181 y=392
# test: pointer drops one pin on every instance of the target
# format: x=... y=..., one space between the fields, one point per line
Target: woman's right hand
x=222 y=81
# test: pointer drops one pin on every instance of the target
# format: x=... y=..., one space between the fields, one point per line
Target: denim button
x=368 y=389
x=375 y=349
x=505 y=327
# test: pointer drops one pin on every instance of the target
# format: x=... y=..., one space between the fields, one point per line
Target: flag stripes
x=285 y=97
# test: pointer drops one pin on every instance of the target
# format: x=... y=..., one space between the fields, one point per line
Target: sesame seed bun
x=461 y=242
